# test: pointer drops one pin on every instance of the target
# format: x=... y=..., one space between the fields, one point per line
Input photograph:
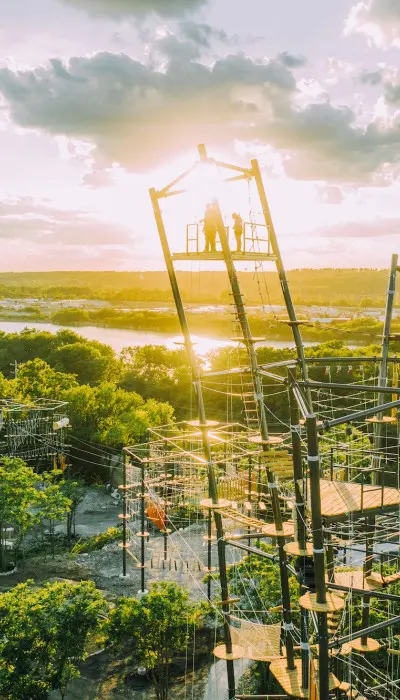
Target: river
x=120 y=338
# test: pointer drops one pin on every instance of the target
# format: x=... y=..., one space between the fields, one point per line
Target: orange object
x=156 y=514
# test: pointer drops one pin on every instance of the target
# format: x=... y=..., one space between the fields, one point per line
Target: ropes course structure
x=34 y=432
x=313 y=489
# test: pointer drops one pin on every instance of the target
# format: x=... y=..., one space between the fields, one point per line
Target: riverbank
x=359 y=330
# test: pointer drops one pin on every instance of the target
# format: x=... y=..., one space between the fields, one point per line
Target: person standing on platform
x=238 y=231
x=210 y=230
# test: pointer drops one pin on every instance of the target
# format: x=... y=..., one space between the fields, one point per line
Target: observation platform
x=218 y=255
x=254 y=244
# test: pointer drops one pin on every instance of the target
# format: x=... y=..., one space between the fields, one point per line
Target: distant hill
x=308 y=286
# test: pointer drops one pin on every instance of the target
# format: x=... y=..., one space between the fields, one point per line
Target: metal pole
x=318 y=547
x=361 y=633
x=300 y=516
x=259 y=397
x=282 y=274
x=124 y=545
x=204 y=432
x=142 y=526
x=382 y=380
x=209 y=552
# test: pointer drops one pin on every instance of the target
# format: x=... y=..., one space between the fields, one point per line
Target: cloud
x=140 y=116
x=378 y=20
x=291 y=60
x=203 y=34
x=39 y=223
x=371 y=77
x=377 y=228
x=136 y=8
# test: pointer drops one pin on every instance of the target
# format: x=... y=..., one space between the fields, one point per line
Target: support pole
x=142 y=527
x=259 y=397
x=209 y=552
x=300 y=515
x=124 y=543
x=382 y=380
x=282 y=275
x=204 y=433
x=318 y=547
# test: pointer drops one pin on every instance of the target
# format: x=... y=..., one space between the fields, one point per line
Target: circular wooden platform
x=197 y=424
x=294 y=550
x=221 y=653
x=356 y=645
x=222 y=503
x=241 y=339
x=270 y=530
x=384 y=419
x=272 y=440
x=308 y=601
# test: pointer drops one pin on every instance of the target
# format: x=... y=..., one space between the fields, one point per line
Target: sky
x=102 y=99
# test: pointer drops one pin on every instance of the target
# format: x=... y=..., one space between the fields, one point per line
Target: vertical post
x=209 y=552
x=142 y=527
x=203 y=428
x=282 y=275
x=259 y=396
x=124 y=544
x=383 y=370
x=318 y=547
x=249 y=484
x=166 y=531
x=300 y=515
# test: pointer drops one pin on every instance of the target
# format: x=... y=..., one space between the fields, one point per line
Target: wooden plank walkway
x=339 y=498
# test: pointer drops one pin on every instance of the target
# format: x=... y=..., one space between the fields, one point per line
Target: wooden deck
x=243 y=257
x=290 y=681
x=355 y=579
x=339 y=498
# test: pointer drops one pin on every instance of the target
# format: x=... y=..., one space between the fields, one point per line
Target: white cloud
x=378 y=20
x=39 y=223
x=140 y=117
x=136 y=8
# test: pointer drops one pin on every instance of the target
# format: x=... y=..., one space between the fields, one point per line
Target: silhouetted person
x=238 y=231
x=210 y=230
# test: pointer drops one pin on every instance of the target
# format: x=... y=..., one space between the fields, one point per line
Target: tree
x=43 y=635
x=20 y=500
x=75 y=491
x=55 y=504
x=37 y=379
x=153 y=629
x=81 y=359
x=112 y=416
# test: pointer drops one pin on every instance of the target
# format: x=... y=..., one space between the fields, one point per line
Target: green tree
x=82 y=360
x=37 y=379
x=74 y=490
x=55 y=504
x=43 y=635
x=153 y=629
x=20 y=502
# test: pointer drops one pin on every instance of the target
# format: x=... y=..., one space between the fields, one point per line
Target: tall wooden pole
x=204 y=433
x=259 y=397
x=282 y=275
x=318 y=548
x=383 y=370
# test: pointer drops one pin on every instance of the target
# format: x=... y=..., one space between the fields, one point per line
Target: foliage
x=154 y=628
x=111 y=416
x=92 y=544
x=43 y=633
x=81 y=359
x=20 y=501
x=36 y=379
x=257 y=581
